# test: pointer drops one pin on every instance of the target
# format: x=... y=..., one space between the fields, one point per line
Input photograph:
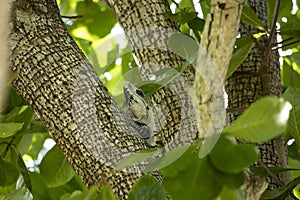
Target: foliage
x=30 y=170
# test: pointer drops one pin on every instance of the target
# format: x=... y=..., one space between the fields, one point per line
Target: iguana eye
x=140 y=92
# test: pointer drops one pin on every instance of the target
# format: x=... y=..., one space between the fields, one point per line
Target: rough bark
x=213 y=59
x=258 y=76
x=66 y=94
x=148 y=31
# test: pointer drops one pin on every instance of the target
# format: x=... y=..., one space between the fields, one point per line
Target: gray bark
x=258 y=76
x=65 y=93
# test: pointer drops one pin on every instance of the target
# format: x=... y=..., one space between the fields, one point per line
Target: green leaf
x=9 y=129
x=230 y=158
x=84 y=45
x=36 y=127
x=230 y=194
x=291 y=33
x=249 y=17
x=196 y=24
x=292 y=94
x=13 y=99
x=281 y=192
x=196 y=177
x=205 y=7
x=294 y=59
x=107 y=193
x=92 y=24
x=162 y=78
x=149 y=88
x=134 y=158
x=244 y=46
x=166 y=159
x=290 y=77
x=233 y=181
x=146 y=188
x=8 y=173
x=262 y=121
x=293 y=25
x=55 y=169
x=184 y=46
x=181 y=17
x=260 y=171
x=39 y=189
x=92 y=193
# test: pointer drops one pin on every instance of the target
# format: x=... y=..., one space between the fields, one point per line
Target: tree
x=61 y=86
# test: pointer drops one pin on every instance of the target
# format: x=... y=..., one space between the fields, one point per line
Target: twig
x=8 y=147
x=273 y=27
x=72 y=17
x=270 y=173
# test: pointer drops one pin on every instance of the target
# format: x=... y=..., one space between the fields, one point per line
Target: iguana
x=140 y=112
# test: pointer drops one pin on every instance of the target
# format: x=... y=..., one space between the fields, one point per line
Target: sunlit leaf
x=292 y=94
x=289 y=76
x=262 y=121
x=92 y=26
x=9 y=129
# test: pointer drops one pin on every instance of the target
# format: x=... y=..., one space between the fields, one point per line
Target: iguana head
x=136 y=105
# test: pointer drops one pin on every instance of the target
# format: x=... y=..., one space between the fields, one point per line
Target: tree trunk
x=66 y=94
x=258 y=76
